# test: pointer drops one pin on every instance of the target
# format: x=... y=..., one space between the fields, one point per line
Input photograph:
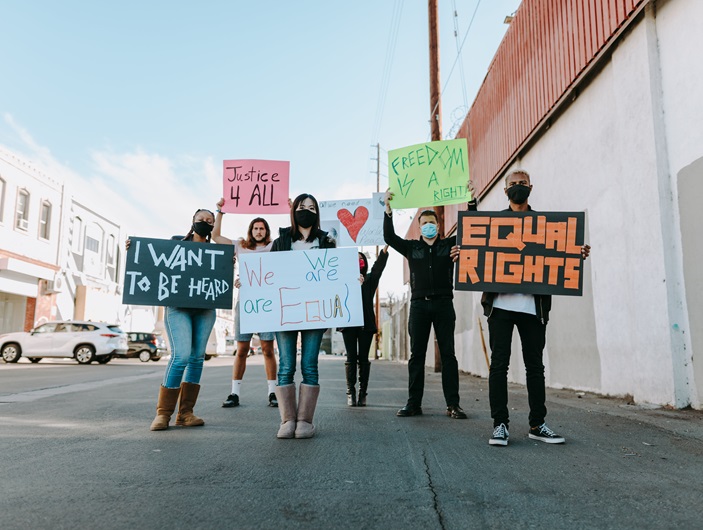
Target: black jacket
x=431 y=266
x=284 y=240
x=368 y=289
x=543 y=302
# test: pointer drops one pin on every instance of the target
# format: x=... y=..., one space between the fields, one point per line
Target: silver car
x=84 y=341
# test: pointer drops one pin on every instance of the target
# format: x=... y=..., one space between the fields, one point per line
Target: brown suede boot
x=168 y=397
x=286 y=406
x=306 y=410
x=189 y=395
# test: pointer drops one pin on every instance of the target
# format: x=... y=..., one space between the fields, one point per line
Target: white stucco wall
x=615 y=153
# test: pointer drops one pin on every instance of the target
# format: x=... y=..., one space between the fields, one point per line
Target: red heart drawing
x=353 y=223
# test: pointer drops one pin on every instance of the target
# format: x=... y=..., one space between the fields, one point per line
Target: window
x=92 y=244
x=111 y=240
x=45 y=220
x=77 y=236
x=22 y=212
x=3 y=185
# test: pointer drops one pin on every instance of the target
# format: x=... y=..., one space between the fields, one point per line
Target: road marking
x=33 y=395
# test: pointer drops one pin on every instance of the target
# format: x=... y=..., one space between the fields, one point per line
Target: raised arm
x=375 y=275
x=389 y=236
x=216 y=235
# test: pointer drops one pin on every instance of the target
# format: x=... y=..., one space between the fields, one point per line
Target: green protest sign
x=429 y=174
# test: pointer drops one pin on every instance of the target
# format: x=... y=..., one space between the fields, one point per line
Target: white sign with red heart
x=354 y=222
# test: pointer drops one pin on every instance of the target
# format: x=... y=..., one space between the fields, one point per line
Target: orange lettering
x=488 y=268
x=533 y=269
x=513 y=240
x=472 y=228
x=528 y=236
x=572 y=273
x=553 y=264
x=515 y=274
x=556 y=236
x=468 y=261
x=571 y=246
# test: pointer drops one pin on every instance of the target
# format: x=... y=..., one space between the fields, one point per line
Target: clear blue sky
x=146 y=98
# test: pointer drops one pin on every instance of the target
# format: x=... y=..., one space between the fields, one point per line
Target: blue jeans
x=310 y=340
x=188 y=331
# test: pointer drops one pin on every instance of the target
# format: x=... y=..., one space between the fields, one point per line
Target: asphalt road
x=76 y=452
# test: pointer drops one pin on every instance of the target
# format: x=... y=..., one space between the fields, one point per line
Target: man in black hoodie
x=529 y=314
x=432 y=290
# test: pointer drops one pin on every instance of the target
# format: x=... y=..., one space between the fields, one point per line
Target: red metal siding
x=546 y=48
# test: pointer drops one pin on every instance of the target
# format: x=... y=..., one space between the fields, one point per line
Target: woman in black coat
x=357 y=341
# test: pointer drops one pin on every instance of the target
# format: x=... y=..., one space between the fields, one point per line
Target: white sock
x=272 y=385
x=236 y=386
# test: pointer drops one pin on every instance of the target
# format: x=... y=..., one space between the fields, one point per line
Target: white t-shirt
x=239 y=249
x=520 y=303
x=301 y=244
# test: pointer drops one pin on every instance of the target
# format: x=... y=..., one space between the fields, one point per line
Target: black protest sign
x=178 y=274
x=520 y=252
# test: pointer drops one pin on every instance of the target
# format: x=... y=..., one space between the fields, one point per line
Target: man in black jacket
x=529 y=314
x=432 y=290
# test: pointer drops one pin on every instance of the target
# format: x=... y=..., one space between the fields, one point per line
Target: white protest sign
x=300 y=289
x=354 y=222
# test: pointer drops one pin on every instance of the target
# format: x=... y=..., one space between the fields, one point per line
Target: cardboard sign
x=355 y=222
x=256 y=186
x=178 y=274
x=299 y=289
x=520 y=252
x=430 y=174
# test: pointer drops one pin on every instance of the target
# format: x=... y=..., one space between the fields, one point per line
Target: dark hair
x=428 y=212
x=250 y=242
x=189 y=235
x=314 y=229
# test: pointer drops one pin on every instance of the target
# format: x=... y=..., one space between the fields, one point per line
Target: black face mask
x=305 y=218
x=202 y=228
x=518 y=193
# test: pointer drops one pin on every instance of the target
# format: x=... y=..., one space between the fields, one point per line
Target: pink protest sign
x=256 y=186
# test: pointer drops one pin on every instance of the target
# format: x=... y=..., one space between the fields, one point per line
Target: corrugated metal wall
x=548 y=45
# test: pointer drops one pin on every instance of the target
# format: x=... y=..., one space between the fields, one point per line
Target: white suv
x=84 y=341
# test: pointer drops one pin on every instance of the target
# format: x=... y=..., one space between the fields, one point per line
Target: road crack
x=430 y=485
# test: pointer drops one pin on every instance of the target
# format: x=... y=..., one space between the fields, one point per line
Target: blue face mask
x=429 y=230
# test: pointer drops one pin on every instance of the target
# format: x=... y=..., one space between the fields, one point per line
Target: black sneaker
x=545 y=434
x=409 y=410
x=455 y=411
x=231 y=401
x=500 y=435
x=273 y=402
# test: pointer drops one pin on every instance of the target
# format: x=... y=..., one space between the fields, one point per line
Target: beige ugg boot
x=306 y=410
x=286 y=405
x=166 y=404
x=189 y=395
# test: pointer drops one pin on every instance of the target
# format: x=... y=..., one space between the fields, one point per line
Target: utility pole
x=435 y=119
x=378 y=296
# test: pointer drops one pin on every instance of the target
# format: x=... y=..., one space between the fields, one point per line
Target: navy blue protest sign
x=520 y=252
x=175 y=273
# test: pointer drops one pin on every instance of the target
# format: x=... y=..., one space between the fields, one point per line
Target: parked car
x=84 y=341
x=146 y=346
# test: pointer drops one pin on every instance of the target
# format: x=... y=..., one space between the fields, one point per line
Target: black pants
x=358 y=344
x=439 y=314
x=532 y=336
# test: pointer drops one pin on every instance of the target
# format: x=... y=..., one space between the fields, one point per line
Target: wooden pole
x=378 y=296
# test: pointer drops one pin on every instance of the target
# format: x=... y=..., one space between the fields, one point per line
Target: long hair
x=189 y=235
x=250 y=243
x=314 y=229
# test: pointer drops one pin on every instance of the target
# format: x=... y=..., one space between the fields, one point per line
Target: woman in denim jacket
x=296 y=420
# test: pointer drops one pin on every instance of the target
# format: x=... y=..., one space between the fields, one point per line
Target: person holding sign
x=432 y=290
x=258 y=240
x=296 y=420
x=188 y=331
x=529 y=313
x=357 y=340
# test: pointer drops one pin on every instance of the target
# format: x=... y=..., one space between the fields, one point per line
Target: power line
x=387 y=68
x=471 y=22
